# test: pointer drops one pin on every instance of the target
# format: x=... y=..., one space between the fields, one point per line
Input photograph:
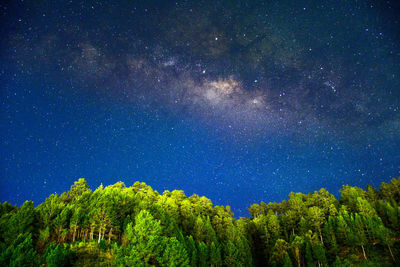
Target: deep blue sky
x=240 y=102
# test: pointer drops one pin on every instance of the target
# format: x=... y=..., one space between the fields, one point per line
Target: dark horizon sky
x=239 y=101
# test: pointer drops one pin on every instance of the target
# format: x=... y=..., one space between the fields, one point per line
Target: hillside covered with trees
x=136 y=226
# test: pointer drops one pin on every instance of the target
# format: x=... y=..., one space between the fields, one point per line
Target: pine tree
x=297 y=247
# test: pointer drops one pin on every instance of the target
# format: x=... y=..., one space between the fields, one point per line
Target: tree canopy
x=136 y=226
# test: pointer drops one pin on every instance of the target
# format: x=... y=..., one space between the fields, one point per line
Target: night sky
x=240 y=101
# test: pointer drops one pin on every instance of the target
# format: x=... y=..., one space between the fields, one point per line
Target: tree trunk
x=297 y=255
x=320 y=235
x=59 y=234
x=391 y=253
x=298 y=261
x=99 y=236
x=63 y=237
x=365 y=256
x=109 y=235
x=84 y=237
x=73 y=236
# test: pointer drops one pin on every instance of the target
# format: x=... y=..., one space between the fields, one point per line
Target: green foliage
x=58 y=255
x=136 y=226
x=287 y=262
x=174 y=254
x=20 y=252
x=279 y=252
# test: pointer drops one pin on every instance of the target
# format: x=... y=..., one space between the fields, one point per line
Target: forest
x=136 y=226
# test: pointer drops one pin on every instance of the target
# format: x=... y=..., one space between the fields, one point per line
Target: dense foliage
x=132 y=226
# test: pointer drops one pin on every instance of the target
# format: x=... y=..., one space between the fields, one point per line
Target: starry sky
x=240 y=101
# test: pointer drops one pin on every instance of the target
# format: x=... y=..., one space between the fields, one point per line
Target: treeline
x=136 y=226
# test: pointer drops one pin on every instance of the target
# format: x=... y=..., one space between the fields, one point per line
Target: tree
x=391 y=192
x=341 y=229
x=308 y=254
x=319 y=252
x=316 y=218
x=25 y=219
x=192 y=251
x=349 y=195
x=20 y=253
x=255 y=210
x=62 y=222
x=273 y=228
x=75 y=222
x=291 y=220
x=215 y=255
x=297 y=204
x=78 y=189
x=279 y=252
x=145 y=236
x=330 y=241
x=287 y=262
x=203 y=254
x=372 y=195
x=303 y=226
x=364 y=207
x=386 y=237
x=58 y=255
x=6 y=208
x=297 y=247
x=359 y=233
x=174 y=254
x=50 y=208
x=230 y=254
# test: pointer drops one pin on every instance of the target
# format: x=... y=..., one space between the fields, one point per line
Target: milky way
x=261 y=77
x=253 y=70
